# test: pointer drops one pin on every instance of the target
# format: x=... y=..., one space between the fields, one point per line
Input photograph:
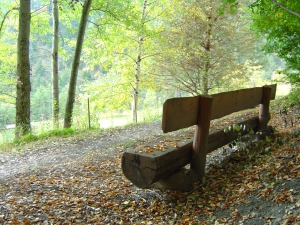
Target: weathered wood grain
x=182 y=180
x=143 y=169
x=234 y=101
x=180 y=113
x=201 y=136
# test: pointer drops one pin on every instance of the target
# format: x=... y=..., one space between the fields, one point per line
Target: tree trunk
x=23 y=72
x=137 y=73
x=207 y=65
x=136 y=87
x=75 y=64
x=55 y=89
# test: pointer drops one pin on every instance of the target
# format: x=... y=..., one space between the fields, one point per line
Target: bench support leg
x=201 y=136
x=264 y=115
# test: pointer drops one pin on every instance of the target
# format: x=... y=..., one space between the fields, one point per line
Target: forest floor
x=79 y=180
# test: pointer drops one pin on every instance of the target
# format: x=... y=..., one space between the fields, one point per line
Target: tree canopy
x=280 y=24
x=138 y=53
x=278 y=21
x=205 y=50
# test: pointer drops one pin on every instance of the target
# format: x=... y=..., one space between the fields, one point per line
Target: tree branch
x=5 y=16
x=121 y=53
x=40 y=10
x=151 y=55
x=285 y=8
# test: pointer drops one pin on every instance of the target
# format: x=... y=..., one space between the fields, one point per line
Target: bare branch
x=285 y=8
x=5 y=16
x=121 y=53
x=147 y=56
x=50 y=53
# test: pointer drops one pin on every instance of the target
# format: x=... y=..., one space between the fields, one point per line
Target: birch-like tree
x=131 y=48
x=138 y=61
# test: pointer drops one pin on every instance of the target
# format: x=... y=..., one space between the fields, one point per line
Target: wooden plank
x=273 y=91
x=201 y=136
x=179 y=113
x=234 y=101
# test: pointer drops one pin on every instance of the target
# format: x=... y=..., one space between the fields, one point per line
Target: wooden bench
x=161 y=166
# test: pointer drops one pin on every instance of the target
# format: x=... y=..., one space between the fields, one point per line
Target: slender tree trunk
x=137 y=72
x=75 y=64
x=23 y=72
x=207 y=65
x=55 y=90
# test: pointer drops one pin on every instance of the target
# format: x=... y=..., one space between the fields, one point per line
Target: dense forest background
x=135 y=55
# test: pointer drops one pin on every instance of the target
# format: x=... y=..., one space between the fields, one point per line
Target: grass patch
x=6 y=136
x=6 y=147
x=58 y=133
x=61 y=133
x=40 y=133
x=129 y=144
x=293 y=98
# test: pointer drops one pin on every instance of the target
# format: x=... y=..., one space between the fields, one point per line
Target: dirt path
x=64 y=150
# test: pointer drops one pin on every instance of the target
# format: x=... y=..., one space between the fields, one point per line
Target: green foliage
x=281 y=29
x=236 y=127
x=8 y=51
x=294 y=95
x=150 y=116
x=278 y=22
x=27 y=138
x=293 y=98
x=6 y=137
x=41 y=103
x=6 y=112
x=109 y=94
x=58 y=133
x=66 y=132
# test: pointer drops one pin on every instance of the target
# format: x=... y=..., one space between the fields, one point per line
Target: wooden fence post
x=264 y=115
x=201 y=136
x=89 y=113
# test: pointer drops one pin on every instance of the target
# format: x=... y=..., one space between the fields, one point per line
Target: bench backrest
x=181 y=113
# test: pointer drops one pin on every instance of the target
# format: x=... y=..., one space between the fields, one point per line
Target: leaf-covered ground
x=256 y=184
